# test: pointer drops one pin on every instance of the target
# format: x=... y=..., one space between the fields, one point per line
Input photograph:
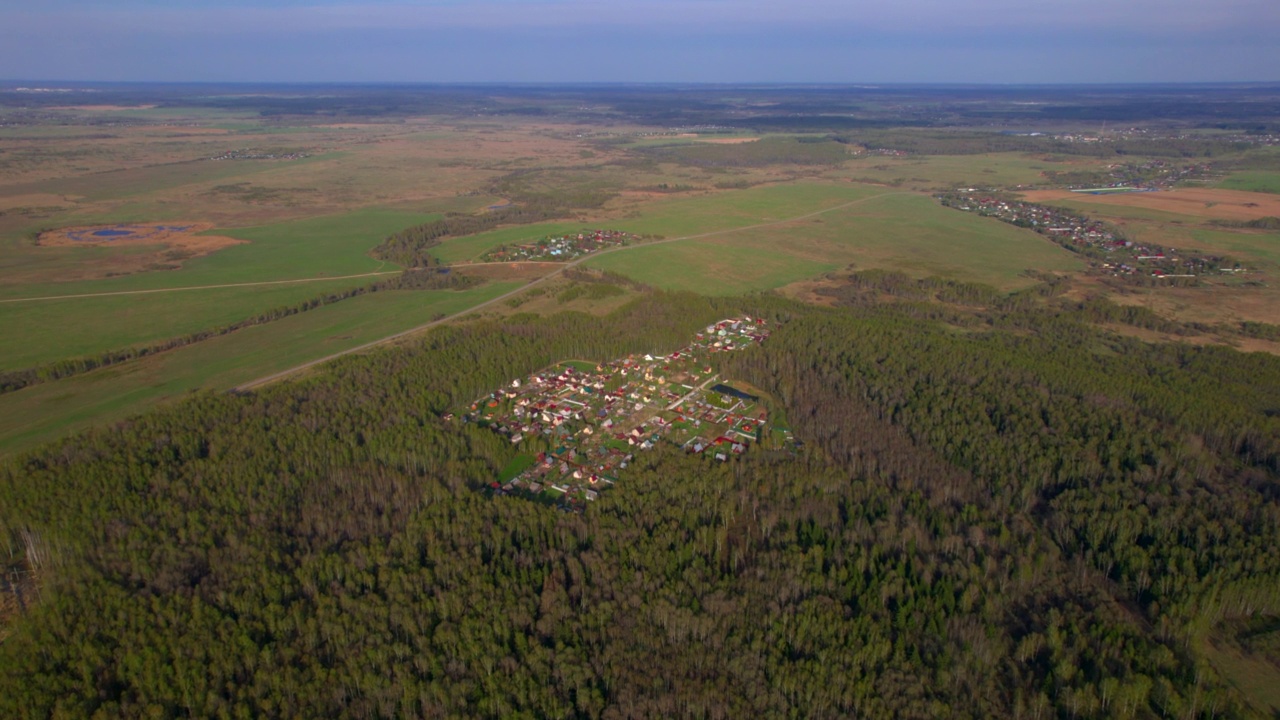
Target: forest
x=999 y=509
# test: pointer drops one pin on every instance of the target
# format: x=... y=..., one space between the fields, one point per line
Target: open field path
x=562 y=267
x=200 y=287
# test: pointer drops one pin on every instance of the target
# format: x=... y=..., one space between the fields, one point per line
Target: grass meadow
x=1252 y=246
x=51 y=410
x=44 y=331
x=1267 y=181
x=899 y=231
x=331 y=246
x=1253 y=676
x=945 y=172
x=681 y=216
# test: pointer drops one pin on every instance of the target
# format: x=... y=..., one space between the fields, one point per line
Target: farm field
x=744 y=208
x=306 y=198
x=900 y=231
x=1210 y=203
x=1185 y=220
x=333 y=246
x=310 y=248
x=711 y=267
x=883 y=228
x=678 y=217
x=946 y=172
x=40 y=332
x=49 y=410
x=1256 y=246
x=1265 y=181
x=1256 y=678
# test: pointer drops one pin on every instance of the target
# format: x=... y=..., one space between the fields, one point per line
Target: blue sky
x=970 y=41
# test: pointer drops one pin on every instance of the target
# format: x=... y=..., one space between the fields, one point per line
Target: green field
x=129 y=182
x=45 y=331
x=681 y=216
x=1244 y=246
x=950 y=171
x=899 y=231
x=1257 y=679
x=518 y=464
x=1124 y=212
x=1267 y=181
x=50 y=410
x=471 y=247
x=338 y=245
x=743 y=208
x=332 y=245
x=710 y=268
x=1180 y=231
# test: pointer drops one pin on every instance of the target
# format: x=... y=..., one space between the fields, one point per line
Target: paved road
x=561 y=268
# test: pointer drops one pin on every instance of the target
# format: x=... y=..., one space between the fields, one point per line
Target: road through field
x=199 y=287
x=563 y=266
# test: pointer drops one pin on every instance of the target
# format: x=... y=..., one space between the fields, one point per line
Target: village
x=581 y=423
x=1130 y=177
x=1107 y=250
x=253 y=154
x=560 y=247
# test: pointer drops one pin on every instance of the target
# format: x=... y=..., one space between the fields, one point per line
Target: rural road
x=561 y=268
x=693 y=392
x=199 y=287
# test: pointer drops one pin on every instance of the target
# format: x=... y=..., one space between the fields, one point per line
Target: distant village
x=1130 y=177
x=1105 y=134
x=1107 y=251
x=581 y=423
x=560 y=247
x=249 y=154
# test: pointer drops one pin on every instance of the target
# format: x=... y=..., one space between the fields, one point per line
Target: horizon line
x=856 y=84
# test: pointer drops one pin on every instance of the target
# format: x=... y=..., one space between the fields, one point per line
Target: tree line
x=411 y=247
x=411 y=279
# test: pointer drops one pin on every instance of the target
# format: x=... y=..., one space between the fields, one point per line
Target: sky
x=823 y=41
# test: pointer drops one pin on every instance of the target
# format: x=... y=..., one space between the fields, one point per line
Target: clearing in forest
x=585 y=421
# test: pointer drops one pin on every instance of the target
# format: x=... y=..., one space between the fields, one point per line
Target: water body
x=726 y=390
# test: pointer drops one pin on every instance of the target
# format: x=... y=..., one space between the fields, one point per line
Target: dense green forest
x=998 y=510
